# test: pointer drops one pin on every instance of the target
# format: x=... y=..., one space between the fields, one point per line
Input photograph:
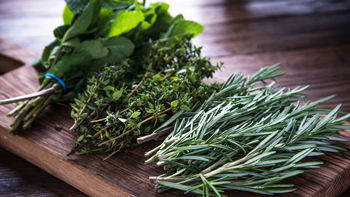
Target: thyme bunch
x=246 y=138
x=131 y=99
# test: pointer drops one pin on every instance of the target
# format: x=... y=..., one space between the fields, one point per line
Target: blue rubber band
x=58 y=79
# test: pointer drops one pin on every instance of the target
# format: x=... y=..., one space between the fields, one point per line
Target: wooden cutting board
x=125 y=174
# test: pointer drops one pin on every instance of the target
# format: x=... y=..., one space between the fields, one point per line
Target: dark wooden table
x=298 y=33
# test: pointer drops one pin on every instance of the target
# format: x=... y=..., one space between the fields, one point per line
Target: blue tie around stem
x=58 y=79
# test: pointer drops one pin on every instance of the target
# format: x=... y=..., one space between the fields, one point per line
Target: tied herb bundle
x=245 y=138
x=95 y=33
x=121 y=104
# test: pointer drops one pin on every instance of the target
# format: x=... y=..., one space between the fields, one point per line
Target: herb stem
x=75 y=125
x=155 y=135
x=29 y=96
x=56 y=58
x=134 y=90
x=17 y=109
x=150 y=118
x=36 y=105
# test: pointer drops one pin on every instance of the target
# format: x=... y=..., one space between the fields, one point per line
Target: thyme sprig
x=246 y=138
x=130 y=99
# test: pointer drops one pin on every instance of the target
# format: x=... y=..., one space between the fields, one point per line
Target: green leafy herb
x=96 y=34
x=128 y=100
x=245 y=138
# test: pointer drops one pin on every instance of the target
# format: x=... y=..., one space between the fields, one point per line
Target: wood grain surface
x=310 y=38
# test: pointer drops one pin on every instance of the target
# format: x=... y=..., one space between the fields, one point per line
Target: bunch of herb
x=95 y=33
x=246 y=138
x=120 y=104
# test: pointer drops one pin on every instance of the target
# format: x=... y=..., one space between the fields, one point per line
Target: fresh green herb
x=95 y=33
x=58 y=127
x=130 y=99
x=245 y=138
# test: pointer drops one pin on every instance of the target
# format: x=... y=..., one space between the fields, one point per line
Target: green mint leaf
x=47 y=50
x=119 y=48
x=82 y=22
x=77 y=6
x=125 y=21
x=104 y=20
x=150 y=19
x=73 y=63
x=183 y=27
x=160 y=8
x=97 y=9
x=67 y=15
x=60 y=31
x=74 y=42
x=94 y=47
x=160 y=26
x=116 y=4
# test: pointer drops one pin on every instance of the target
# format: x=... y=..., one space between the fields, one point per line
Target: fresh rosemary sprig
x=131 y=99
x=245 y=138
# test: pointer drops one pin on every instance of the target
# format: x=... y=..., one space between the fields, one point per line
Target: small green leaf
x=150 y=105
x=91 y=106
x=80 y=138
x=158 y=78
x=109 y=88
x=117 y=94
x=174 y=103
x=150 y=111
x=136 y=114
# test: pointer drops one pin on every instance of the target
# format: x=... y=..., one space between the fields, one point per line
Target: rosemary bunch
x=130 y=99
x=245 y=138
